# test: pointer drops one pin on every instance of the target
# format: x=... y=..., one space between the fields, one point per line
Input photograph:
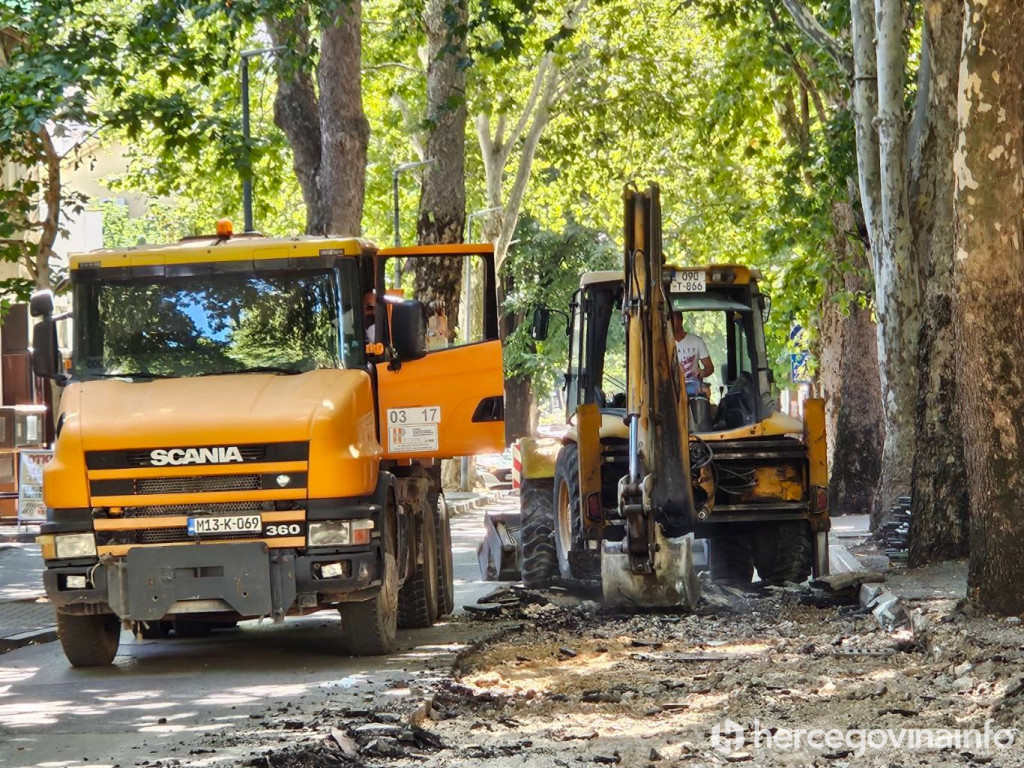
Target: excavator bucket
x=673 y=581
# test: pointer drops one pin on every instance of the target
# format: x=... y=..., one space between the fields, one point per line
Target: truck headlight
x=339 y=533
x=75 y=545
x=332 y=534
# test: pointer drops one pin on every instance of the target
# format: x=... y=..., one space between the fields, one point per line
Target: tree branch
x=817 y=34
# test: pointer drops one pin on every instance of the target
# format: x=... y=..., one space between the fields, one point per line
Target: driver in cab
x=694 y=358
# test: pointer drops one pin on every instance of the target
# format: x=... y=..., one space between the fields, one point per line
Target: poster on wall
x=31 y=508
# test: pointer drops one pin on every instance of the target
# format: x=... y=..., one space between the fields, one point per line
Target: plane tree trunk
x=988 y=299
x=325 y=125
x=442 y=210
x=939 y=522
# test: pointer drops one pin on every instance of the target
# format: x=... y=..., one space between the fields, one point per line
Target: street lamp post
x=398 y=171
x=247 y=164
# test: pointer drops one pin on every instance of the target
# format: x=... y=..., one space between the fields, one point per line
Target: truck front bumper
x=247 y=579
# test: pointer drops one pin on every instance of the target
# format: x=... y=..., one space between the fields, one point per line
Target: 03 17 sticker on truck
x=413 y=430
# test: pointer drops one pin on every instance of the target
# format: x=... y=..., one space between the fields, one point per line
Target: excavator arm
x=653 y=565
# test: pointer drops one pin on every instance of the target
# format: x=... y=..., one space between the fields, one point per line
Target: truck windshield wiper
x=133 y=375
x=255 y=369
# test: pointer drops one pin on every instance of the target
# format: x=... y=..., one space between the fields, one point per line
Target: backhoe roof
x=743 y=274
x=214 y=249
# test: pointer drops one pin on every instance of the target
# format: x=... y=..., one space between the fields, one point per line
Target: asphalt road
x=166 y=699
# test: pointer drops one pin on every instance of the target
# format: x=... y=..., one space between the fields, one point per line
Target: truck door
x=451 y=402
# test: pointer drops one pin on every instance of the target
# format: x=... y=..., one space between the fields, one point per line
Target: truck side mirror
x=46 y=360
x=539 y=326
x=408 y=330
x=766 y=307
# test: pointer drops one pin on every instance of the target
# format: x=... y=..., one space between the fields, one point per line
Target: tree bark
x=988 y=303
x=897 y=281
x=939 y=521
x=344 y=130
x=442 y=210
x=296 y=111
x=853 y=394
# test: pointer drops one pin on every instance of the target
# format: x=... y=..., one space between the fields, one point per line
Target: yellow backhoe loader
x=645 y=468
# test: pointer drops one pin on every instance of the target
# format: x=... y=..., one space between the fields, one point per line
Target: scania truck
x=252 y=427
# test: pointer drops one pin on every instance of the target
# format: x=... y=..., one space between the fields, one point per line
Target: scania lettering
x=223 y=447
x=177 y=456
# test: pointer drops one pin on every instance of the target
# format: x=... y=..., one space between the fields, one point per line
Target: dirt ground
x=567 y=683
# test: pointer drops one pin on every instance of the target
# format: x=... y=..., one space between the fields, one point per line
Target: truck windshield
x=209 y=324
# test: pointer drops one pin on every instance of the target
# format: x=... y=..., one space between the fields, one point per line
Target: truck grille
x=200 y=510
x=207 y=484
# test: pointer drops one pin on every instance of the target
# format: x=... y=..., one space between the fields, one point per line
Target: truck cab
x=230 y=446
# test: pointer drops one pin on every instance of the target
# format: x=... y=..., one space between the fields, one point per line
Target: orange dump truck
x=246 y=431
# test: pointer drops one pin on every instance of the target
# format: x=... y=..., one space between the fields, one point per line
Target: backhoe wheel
x=370 y=626
x=731 y=559
x=782 y=551
x=445 y=567
x=567 y=505
x=537 y=532
x=89 y=641
x=574 y=560
x=418 y=597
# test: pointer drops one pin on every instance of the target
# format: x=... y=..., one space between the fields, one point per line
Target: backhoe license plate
x=688 y=281
x=199 y=526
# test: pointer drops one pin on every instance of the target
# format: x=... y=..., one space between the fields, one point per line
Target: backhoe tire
x=783 y=551
x=731 y=559
x=537 y=533
x=370 y=627
x=575 y=561
x=445 y=566
x=418 y=597
x=89 y=641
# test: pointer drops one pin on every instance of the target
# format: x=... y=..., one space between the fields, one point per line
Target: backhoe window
x=211 y=324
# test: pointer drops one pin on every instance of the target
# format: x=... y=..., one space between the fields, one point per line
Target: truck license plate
x=198 y=526
x=688 y=281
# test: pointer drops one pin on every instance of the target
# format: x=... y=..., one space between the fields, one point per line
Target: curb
x=18 y=538
x=32 y=637
x=462 y=506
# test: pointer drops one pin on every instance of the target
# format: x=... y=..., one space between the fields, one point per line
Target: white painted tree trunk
x=897 y=282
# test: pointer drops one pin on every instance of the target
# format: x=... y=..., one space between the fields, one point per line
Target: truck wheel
x=445 y=567
x=370 y=626
x=730 y=559
x=540 y=562
x=783 y=551
x=418 y=597
x=89 y=641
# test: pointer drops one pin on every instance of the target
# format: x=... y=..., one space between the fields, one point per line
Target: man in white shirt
x=694 y=358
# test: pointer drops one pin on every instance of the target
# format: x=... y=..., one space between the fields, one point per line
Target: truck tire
x=370 y=627
x=89 y=641
x=540 y=562
x=783 y=551
x=731 y=560
x=418 y=597
x=445 y=566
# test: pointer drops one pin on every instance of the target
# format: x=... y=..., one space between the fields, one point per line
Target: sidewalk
x=9 y=533
x=26 y=617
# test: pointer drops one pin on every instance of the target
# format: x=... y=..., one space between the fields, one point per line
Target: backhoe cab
x=645 y=469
